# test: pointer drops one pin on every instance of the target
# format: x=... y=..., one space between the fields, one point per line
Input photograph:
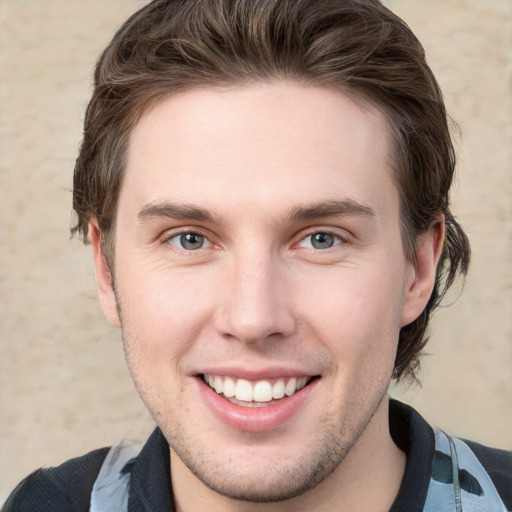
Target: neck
x=368 y=480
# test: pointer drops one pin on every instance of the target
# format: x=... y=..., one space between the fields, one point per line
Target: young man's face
x=258 y=251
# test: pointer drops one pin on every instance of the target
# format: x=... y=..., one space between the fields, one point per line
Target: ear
x=422 y=273
x=103 y=277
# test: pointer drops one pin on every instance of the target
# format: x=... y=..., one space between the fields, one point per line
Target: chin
x=269 y=477
x=264 y=485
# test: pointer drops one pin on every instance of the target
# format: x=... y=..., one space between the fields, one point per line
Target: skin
x=259 y=297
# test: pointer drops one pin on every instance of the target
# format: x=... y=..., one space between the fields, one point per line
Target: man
x=265 y=186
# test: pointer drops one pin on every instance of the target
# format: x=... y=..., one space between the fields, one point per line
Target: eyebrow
x=332 y=208
x=176 y=211
x=298 y=213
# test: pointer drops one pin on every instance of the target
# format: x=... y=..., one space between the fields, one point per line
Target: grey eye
x=188 y=241
x=322 y=240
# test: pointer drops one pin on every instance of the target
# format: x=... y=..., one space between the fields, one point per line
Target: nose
x=254 y=306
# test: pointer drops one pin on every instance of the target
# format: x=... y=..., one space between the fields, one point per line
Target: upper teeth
x=260 y=391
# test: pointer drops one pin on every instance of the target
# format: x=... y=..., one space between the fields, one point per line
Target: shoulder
x=498 y=465
x=65 y=488
x=440 y=467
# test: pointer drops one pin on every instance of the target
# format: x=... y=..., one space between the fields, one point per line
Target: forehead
x=274 y=145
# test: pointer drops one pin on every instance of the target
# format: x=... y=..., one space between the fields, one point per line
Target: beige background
x=64 y=387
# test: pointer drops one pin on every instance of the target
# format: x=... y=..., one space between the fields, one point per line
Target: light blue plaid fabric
x=459 y=483
x=111 y=489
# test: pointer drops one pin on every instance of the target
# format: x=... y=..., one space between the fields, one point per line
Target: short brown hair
x=358 y=46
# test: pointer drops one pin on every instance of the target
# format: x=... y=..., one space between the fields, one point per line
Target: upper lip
x=255 y=374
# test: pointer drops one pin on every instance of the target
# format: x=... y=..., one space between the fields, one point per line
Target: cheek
x=162 y=315
x=356 y=313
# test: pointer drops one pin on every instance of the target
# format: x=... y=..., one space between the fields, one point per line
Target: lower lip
x=255 y=419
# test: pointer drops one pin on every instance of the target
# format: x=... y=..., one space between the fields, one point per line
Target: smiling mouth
x=262 y=393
